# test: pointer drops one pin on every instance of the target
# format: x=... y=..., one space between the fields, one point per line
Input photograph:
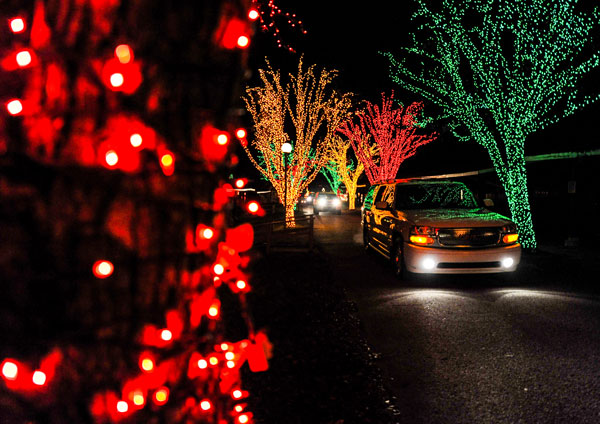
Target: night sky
x=348 y=37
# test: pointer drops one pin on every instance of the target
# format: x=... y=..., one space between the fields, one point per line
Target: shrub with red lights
x=114 y=140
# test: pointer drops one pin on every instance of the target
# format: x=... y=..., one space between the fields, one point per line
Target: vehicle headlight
x=336 y=202
x=322 y=202
x=309 y=199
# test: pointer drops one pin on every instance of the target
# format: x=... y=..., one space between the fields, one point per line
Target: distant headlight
x=309 y=199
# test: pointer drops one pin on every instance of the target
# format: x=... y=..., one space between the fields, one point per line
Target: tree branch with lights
x=305 y=113
x=516 y=69
x=393 y=133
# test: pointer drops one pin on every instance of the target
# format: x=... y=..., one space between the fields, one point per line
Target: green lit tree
x=334 y=179
x=501 y=70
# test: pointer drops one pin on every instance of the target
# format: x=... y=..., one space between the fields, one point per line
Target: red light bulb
x=253 y=207
x=240 y=133
x=124 y=53
x=10 y=370
x=243 y=41
x=253 y=14
x=103 y=269
x=17 y=25
x=161 y=396
x=117 y=79
x=14 y=107
x=23 y=58
x=39 y=378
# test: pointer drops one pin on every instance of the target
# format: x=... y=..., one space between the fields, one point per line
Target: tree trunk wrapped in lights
x=348 y=173
x=501 y=71
x=395 y=132
x=306 y=113
x=116 y=247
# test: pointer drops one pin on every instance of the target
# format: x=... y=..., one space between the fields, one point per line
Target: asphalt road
x=476 y=349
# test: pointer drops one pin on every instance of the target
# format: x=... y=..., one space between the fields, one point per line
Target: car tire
x=398 y=261
x=315 y=211
x=366 y=239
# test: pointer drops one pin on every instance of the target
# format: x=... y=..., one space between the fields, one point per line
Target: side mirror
x=383 y=205
x=488 y=203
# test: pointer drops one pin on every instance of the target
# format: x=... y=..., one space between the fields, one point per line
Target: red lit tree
x=396 y=132
x=117 y=248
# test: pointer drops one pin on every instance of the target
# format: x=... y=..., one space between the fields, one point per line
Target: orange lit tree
x=396 y=131
x=306 y=113
x=116 y=248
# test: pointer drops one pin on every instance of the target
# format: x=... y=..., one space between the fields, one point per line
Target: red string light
x=161 y=396
x=103 y=268
x=17 y=25
x=23 y=58
x=14 y=107
x=10 y=370
x=39 y=378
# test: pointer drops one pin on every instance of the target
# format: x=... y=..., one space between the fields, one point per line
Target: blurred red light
x=17 y=25
x=166 y=335
x=23 y=58
x=124 y=53
x=117 y=79
x=240 y=183
x=240 y=133
x=218 y=269
x=122 y=406
x=14 y=107
x=39 y=378
x=161 y=396
x=253 y=207
x=135 y=140
x=222 y=139
x=243 y=41
x=10 y=370
x=253 y=14
x=112 y=158
x=103 y=269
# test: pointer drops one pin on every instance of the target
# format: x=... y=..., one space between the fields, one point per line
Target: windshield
x=434 y=196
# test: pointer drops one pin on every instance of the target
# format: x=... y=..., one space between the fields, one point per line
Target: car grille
x=470 y=237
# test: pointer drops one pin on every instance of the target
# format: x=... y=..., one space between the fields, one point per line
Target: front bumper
x=436 y=260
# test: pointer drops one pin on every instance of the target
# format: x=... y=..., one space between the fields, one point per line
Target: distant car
x=327 y=202
x=307 y=199
x=437 y=227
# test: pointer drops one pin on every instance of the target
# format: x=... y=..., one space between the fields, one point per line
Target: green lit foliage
x=332 y=176
x=501 y=70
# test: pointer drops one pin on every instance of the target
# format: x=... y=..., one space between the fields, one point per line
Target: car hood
x=456 y=218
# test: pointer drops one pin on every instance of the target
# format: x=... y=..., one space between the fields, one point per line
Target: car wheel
x=366 y=239
x=315 y=211
x=398 y=259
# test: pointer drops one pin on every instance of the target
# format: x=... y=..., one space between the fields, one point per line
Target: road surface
x=475 y=349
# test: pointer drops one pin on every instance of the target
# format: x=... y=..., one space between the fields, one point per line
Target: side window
x=368 y=203
x=386 y=194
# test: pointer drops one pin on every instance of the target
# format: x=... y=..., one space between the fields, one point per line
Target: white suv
x=437 y=227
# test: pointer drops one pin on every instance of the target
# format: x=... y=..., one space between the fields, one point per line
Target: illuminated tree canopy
x=306 y=113
x=501 y=70
x=394 y=130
